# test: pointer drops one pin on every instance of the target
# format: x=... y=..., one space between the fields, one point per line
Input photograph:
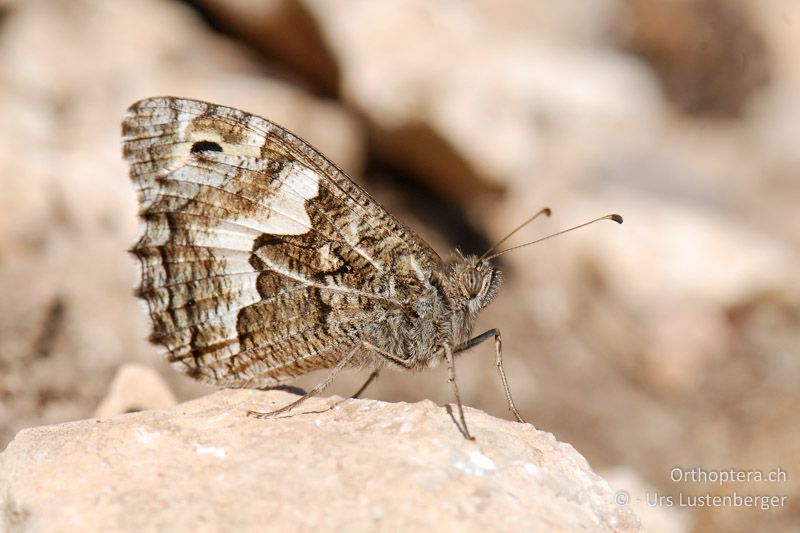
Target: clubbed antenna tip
x=616 y=218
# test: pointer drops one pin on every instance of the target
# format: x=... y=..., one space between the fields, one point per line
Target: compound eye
x=472 y=281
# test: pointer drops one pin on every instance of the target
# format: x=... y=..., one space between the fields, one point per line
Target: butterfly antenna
x=616 y=218
x=546 y=211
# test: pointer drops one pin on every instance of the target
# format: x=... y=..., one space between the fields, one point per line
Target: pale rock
x=333 y=465
x=710 y=56
x=774 y=123
x=283 y=29
x=656 y=516
x=701 y=254
x=135 y=387
x=466 y=103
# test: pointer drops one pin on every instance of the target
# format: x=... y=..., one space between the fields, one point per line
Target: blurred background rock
x=673 y=340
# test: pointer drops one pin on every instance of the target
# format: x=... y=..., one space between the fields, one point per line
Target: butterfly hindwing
x=260 y=259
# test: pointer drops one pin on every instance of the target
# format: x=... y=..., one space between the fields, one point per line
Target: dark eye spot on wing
x=205 y=146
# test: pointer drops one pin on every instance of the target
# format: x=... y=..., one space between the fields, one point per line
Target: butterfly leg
x=451 y=377
x=405 y=363
x=316 y=390
x=498 y=347
x=372 y=377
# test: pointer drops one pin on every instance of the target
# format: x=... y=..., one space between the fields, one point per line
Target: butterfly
x=261 y=261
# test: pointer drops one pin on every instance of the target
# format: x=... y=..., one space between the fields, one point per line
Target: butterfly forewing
x=260 y=260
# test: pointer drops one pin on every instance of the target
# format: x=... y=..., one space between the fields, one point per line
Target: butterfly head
x=475 y=280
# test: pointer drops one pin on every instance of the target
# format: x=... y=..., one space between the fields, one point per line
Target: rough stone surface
x=355 y=465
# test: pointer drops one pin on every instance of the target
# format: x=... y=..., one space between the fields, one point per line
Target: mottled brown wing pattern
x=260 y=260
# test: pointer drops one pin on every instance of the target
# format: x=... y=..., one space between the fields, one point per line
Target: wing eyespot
x=205 y=146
